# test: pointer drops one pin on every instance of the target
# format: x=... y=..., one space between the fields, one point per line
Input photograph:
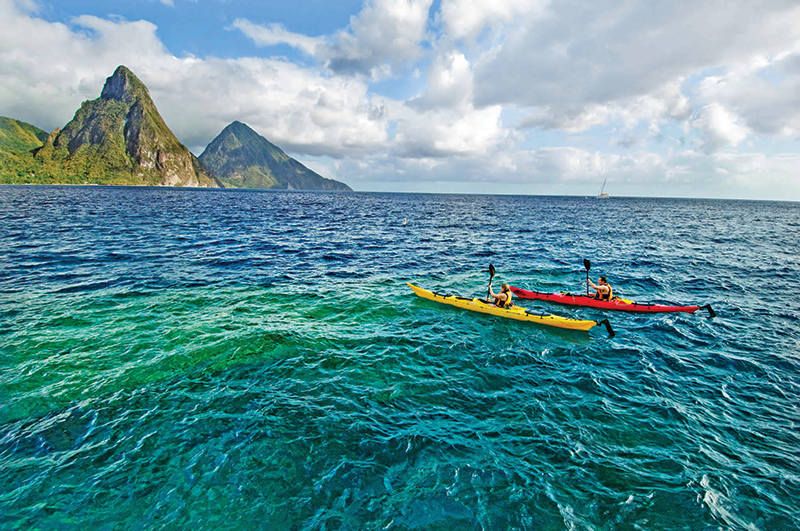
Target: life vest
x=506 y=303
x=605 y=296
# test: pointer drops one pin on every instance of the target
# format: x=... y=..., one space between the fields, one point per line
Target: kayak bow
x=515 y=312
x=615 y=304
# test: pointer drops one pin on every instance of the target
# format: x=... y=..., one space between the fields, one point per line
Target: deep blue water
x=209 y=359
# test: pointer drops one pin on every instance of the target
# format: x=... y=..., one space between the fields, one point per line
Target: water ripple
x=169 y=354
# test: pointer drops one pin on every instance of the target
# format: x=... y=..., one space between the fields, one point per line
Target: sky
x=695 y=98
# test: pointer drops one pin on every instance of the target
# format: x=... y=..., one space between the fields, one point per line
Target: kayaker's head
x=602 y=280
x=505 y=288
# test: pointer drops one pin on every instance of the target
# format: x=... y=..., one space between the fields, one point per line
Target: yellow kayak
x=515 y=312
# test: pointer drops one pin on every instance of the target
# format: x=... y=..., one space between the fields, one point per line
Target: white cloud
x=27 y=5
x=665 y=103
x=765 y=92
x=467 y=19
x=589 y=53
x=571 y=120
x=442 y=121
x=273 y=34
x=386 y=35
x=449 y=83
x=110 y=36
x=720 y=128
x=299 y=109
x=44 y=78
x=460 y=132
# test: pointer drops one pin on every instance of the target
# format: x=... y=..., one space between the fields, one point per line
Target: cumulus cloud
x=720 y=128
x=765 y=92
x=540 y=171
x=385 y=36
x=446 y=133
x=665 y=103
x=442 y=121
x=590 y=53
x=300 y=109
x=449 y=83
x=467 y=19
x=44 y=79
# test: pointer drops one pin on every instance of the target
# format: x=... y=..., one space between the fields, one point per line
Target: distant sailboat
x=602 y=194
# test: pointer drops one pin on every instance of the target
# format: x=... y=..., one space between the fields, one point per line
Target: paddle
x=711 y=312
x=588 y=265
x=491 y=275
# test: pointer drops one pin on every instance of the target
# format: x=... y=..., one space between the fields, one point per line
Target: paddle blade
x=711 y=312
x=491 y=275
x=588 y=265
x=608 y=327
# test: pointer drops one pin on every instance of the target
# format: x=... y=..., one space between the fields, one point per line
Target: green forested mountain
x=119 y=138
x=241 y=158
x=19 y=137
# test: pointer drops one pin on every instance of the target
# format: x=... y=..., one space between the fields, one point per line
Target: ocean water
x=210 y=359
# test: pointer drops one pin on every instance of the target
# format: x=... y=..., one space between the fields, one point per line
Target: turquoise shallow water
x=199 y=359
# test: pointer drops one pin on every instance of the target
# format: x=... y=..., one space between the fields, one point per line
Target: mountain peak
x=241 y=131
x=123 y=85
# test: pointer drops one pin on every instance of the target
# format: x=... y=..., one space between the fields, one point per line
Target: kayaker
x=604 y=291
x=502 y=299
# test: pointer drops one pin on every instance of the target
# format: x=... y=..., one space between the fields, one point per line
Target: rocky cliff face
x=241 y=158
x=122 y=134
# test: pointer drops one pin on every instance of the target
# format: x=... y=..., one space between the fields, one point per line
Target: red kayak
x=614 y=304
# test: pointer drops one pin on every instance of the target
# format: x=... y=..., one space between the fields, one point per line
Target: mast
x=601 y=194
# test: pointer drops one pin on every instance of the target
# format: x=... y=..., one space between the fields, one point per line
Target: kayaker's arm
x=498 y=297
x=594 y=287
